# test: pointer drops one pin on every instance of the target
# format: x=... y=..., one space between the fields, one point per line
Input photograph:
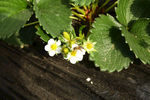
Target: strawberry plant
x=113 y=32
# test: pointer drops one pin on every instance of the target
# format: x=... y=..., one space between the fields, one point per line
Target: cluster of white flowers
x=71 y=49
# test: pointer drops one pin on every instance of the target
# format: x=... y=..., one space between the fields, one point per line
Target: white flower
x=53 y=47
x=89 y=46
x=75 y=56
x=76 y=46
x=83 y=51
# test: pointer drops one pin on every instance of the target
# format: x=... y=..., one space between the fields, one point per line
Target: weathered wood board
x=32 y=75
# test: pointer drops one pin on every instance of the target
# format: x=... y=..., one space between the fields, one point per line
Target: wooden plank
x=31 y=75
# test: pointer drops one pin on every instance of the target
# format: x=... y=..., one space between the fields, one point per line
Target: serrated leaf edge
x=93 y=59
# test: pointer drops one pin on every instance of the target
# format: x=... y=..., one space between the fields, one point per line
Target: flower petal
x=83 y=51
x=58 y=43
x=73 y=60
x=73 y=46
x=68 y=56
x=51 y=41
x=58 y=50
x=79 y=55
x=80 y=58
x=47 y=47
x=51 y=53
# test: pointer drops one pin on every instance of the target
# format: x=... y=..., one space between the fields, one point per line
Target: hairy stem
x=104 y=4
x=78 y=15
x=29 y=24
x=112 y=6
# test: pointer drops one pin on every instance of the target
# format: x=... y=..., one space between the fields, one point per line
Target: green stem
x=72 y=17
x=109 y=8
x=104 y=4
x=81 y=29
x=29 y=24
x=79 y=10
x=94 y=6
x=73 y=33
x=78 y=15
x=87 y=34
x=31 y=1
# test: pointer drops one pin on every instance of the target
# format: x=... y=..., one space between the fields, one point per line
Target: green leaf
x=42 y=35
x=129 y=10
x=13 y=15
x=53 y=15
x=112 y=51
x=15 y=40
x=139 y=39
x=83 y=2
x=23 y=37
x=141 y=8
x=123 y=11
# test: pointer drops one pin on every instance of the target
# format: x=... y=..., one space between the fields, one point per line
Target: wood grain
x=29 y=74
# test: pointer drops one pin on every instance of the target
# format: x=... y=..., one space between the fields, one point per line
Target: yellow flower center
x=89 y=46
x=73 y=53
x=54 y=46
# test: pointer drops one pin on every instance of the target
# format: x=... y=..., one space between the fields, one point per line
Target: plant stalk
x=29 y=24
x=109 y=8
x=104 y=4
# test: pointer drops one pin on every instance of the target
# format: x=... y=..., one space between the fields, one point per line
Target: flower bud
x=66 y=35
x=65 y=50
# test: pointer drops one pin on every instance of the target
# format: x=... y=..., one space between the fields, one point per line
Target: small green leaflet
x=15 y=40
x=138 y=39
x=13 y=15
x=53 y=15
x=141 y=8
x=112 y=53
x=129 y=10
x=42 y=35
x=83 y=2
x=23 y=37
x=123 y=11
